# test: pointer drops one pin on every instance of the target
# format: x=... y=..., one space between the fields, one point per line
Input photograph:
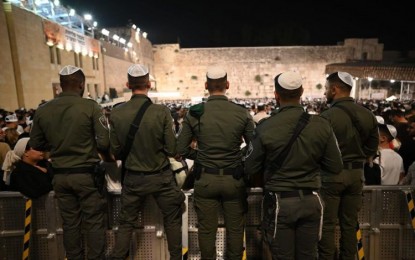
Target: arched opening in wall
x=56 y=87
x=364 y=56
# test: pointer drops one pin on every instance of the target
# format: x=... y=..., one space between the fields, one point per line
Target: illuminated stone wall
x=249 y=69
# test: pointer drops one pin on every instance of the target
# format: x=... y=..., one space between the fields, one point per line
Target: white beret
x=215 y=72
x=289 y=80
x=392 y=130
x=68 y=70
x=346 y=78
x=137 y=70
x=380 y=120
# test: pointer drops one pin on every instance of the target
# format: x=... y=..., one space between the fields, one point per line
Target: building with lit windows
x=38 y=38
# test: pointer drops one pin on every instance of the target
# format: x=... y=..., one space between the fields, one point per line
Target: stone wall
x=8 y=96
x=250 y=69
x=29 y=67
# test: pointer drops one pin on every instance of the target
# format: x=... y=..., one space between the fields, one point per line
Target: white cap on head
x=215 y=72
x=11 y=118
x=289 y=80
x=68 y=70
x=392 y=130
x=20 y=146
x=380 y=120
x=260 y=104
x=137 y=70
x=346 y=78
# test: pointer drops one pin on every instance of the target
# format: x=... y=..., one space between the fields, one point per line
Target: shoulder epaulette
x=197 y=110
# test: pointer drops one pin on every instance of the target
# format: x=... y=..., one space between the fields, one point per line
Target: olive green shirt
x=154 y=141
x=351 y=146
x=73 y=128
x=219 y=134
x=313 y=152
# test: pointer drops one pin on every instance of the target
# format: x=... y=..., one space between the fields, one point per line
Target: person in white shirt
x=390 y=161
x=261 y=113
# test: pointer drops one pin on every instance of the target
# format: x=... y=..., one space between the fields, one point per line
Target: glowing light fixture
x=129 y=45
x=116 y=37
x=105 y=32
x=144 y=34
x=88 y=17
x=72 y=12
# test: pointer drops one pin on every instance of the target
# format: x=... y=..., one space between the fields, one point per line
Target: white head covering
x=137 y=70
x=346 y=78
x=215 y=72
x=12 y=157
x=68 y=70
x=380 y=120
x=289 y=80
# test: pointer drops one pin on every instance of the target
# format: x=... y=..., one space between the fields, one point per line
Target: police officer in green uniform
x=292 y=209
x=219 y=127
x=75 y=130
x=147 y=165
x=357 y=134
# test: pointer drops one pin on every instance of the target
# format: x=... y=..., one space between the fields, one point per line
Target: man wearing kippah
x=357 y=134
x=219 y=127
x=292 y=208
x=71 y=127
x=147 y=164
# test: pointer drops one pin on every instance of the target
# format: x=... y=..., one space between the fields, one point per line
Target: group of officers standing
x=318 y=182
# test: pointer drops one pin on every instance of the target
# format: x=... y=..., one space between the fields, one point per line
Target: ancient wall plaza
x=30 y=62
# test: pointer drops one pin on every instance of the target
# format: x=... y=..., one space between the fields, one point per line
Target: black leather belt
x=226 y=171
x=73 y=170
x=294 y=193
x=165 y=168
x=353 y=165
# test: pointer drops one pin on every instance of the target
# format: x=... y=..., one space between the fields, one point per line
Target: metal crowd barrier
x=386 y=220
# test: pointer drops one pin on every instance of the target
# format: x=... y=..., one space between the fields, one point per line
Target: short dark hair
x=334 y=79
x=71 y=80
x=138 y=82
x=216 y=84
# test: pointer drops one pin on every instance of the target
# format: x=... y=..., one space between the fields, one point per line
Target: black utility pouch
x=99 y=178
x=239 y=173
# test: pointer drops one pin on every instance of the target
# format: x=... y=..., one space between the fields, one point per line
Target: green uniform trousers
x=169 y=199
x=298 y=220
x=83 y=210
x=210 y=192
x=343 y=201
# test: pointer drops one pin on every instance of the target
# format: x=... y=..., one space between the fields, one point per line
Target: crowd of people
x=309 y=155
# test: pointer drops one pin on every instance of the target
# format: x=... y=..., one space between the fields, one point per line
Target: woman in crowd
x=27 y=171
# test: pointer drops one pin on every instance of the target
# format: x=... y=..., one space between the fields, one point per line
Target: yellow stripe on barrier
x=410 y=202
x=244 y=254
x=185 y=253
x=360 y=251
x=27 y=222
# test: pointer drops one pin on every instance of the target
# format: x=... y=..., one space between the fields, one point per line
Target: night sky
x=260 y=23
